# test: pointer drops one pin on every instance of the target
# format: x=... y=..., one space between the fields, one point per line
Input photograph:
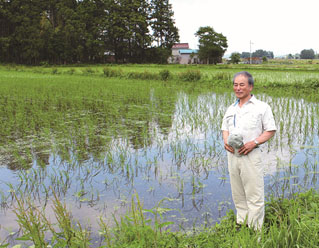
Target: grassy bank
x=288 y=223
x=269 y=75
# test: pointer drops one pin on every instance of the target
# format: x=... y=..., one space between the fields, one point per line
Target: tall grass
x=288 y=223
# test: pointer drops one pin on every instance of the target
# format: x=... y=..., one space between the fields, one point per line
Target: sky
x=281 y=26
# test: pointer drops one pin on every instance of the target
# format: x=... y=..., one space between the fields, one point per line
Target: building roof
x=180 y=46
x=188 y=51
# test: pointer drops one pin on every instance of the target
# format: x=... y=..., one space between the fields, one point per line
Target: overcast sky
x=280 y=26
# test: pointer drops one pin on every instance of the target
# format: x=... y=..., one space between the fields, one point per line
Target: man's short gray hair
x=245 y=74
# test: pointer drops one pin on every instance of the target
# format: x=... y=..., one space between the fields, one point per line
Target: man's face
x=241 y=87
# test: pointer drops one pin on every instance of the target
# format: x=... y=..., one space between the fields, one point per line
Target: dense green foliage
x=235 y=58
x=87 y=31
x=262 y=53
x=307 y=54
x=258 y=53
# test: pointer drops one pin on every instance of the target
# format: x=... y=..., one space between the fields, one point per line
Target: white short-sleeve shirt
x=250 y=120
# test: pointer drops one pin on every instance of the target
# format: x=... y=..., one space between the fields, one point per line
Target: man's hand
x=229 y=148
x=226 y=146
x=247 y=148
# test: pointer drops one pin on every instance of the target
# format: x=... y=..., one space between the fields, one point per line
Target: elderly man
x=247 y=124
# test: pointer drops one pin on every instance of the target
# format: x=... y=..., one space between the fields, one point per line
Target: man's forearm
x=265 y=136
x=225 y=136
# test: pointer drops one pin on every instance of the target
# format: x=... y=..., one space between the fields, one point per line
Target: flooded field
x=95 y=142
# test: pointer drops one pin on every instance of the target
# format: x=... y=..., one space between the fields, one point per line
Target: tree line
x=86 y=31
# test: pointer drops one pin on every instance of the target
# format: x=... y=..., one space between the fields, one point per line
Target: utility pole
x=250 y=43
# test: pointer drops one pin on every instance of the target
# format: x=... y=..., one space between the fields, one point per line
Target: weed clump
x=311 y=83
x=109 y=72
x=142 y=75
x=164 y=75
x=36 y=226
x=222 y=76
x=190 y=75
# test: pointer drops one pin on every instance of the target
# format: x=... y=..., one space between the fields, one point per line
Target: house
x=182 y=54
x=188 y=56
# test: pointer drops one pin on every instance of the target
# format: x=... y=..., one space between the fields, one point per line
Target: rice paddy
x=92 y=138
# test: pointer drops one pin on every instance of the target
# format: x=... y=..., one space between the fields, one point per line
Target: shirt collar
x=252 y=99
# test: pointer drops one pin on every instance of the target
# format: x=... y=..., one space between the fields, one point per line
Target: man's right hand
x=225 y=138
x=229 y=148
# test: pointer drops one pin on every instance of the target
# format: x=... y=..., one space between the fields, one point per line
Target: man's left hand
x=247 y=148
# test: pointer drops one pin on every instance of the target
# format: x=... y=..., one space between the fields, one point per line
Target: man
x=252 y=121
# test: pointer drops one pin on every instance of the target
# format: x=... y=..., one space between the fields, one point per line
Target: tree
x=71 y=31
x=20 y=31
x=290 y=56
x=212 y=45
x=262 y=53
x=245 y=55
x=307 y=54
x=235 y=58
x=165 y=33
x=91 y=46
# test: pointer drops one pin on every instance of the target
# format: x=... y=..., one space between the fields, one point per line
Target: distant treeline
x=258 y=53
x=86 y=31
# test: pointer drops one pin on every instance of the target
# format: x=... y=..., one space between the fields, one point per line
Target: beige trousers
x=247 y=183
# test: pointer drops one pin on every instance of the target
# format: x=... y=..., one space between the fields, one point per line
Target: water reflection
x=162 y=143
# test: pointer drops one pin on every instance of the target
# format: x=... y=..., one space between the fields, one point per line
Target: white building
x=181 y=54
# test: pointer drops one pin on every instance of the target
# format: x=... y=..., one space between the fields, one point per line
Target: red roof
x=181 y=46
